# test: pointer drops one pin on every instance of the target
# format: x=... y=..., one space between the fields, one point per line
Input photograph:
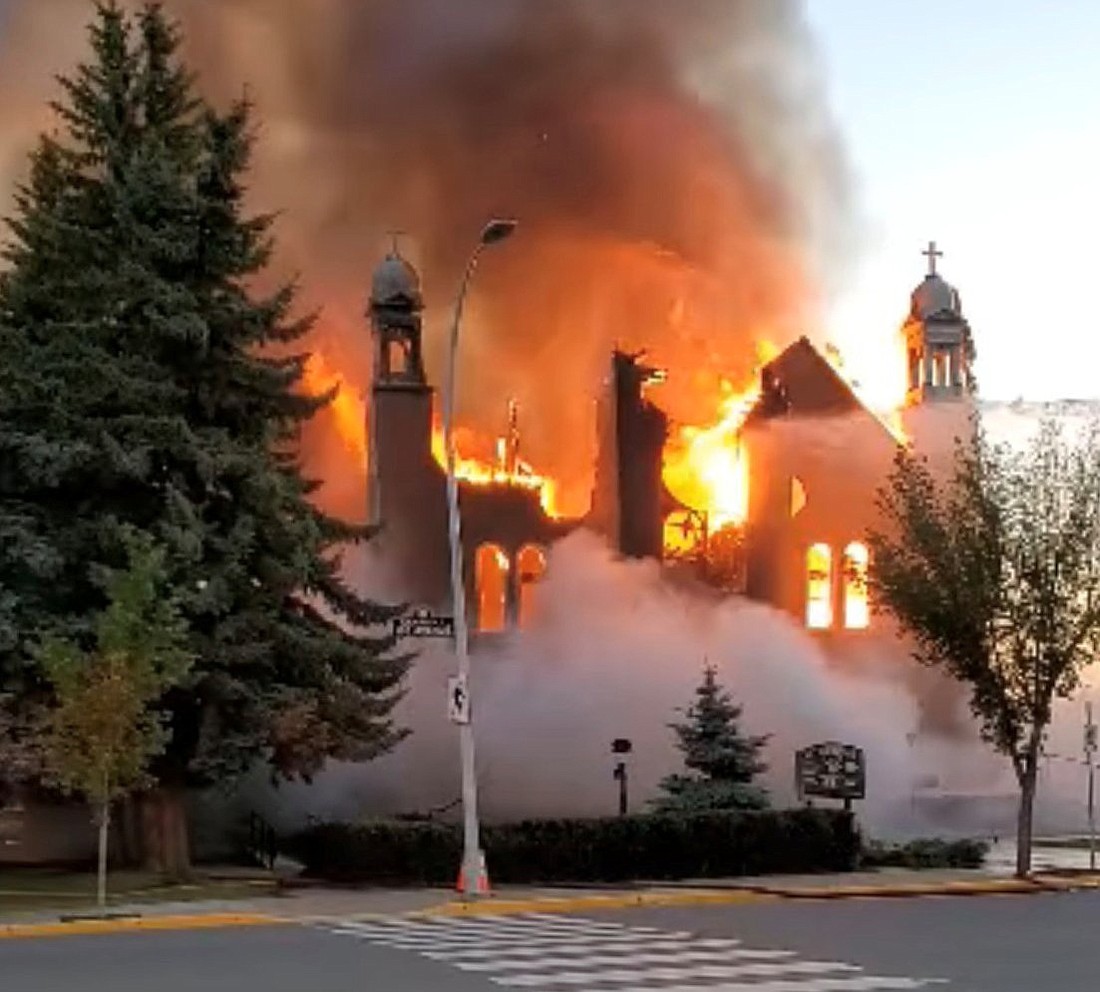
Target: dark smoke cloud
x=671 y=162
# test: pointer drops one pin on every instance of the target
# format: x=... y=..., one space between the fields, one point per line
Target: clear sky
x=976 y=123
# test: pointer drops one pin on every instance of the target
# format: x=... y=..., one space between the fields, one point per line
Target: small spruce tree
x=724 y=759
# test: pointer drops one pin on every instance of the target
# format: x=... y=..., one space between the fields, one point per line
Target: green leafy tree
x=994 y=570
x=725 y=761
x=146 y=383
x=103 y=729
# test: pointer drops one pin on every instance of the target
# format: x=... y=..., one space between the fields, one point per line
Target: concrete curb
x=576 y=904
x=138 y=924
x=1006 y=887
x=754 y=894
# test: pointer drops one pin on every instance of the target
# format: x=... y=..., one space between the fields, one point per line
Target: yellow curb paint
x=916 y=891
x=209 y=921
x=551 y=904
x=710 y=897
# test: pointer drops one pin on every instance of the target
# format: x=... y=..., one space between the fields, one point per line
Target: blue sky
x=976 y=123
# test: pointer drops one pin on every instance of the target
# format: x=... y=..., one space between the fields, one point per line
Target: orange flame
x=706 y=467
x=497 y=472
x=348 y=413
x=347 y=408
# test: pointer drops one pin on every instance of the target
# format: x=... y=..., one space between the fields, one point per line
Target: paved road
x=987 y=944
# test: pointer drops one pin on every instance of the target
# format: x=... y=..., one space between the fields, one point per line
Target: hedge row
x=926 y=853
x=648 y=846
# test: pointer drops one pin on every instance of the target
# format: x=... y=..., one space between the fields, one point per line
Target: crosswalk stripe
x=499 y=941
x=859 y=983
x=539 y=923
x=520 y=954
x=675 y=956
x=476 y=928
x=673 y=974
x=520 y=923
x=425 y=934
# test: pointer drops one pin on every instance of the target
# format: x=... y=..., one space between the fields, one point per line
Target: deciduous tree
x=103 y=728
x=994 y=570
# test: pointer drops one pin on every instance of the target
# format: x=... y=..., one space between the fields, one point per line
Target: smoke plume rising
x=672 y=165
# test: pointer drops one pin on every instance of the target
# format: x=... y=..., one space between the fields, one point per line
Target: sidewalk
x=309 y=905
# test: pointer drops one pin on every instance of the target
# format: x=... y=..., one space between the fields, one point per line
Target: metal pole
x=1092 y=816
x=1090 y=751
x=620 y=774
x=471 y=848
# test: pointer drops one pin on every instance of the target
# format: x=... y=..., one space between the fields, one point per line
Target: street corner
x=93 y=926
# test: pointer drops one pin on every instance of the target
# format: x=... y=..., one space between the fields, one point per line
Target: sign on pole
x=458 y=700
x=831 y=771
x=423 y=623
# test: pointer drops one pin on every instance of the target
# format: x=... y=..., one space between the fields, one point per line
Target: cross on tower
x=394 y=235
x=931 y=253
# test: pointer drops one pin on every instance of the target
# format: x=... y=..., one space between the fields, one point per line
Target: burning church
x=682 y=187
x=772 y=501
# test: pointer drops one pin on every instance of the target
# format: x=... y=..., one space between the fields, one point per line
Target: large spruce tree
x=146 y=384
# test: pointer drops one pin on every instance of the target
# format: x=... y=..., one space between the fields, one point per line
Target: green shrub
x=646 y=846
x=926 y=853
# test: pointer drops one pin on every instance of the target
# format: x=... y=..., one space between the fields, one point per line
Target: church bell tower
x=400 y=417
x=938 y=343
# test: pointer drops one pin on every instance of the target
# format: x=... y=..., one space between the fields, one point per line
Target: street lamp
x=493 y=232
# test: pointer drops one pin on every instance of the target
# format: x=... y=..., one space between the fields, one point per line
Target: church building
x=816 y=457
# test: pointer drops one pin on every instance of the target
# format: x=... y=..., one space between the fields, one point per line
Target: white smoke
x=615 y=650
x=617 y=647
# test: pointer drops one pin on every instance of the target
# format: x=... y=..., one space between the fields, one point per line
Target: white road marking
x=614 y=950
x=621 y=946
x=860 y=983
x=689 y=953
x=545 y=952
x=489 y=941
x=673 y=974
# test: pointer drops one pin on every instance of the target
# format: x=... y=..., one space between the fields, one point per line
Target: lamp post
x=493 y=232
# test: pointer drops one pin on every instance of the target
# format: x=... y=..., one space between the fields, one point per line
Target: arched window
x=531 y=563
x=819 y=587
x=491 y=569
x=857 y=613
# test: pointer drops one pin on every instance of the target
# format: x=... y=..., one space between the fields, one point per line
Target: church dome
x=935 y=297
x=395 y=281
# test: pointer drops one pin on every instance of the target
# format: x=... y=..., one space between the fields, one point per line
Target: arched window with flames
x=857 y=609
x=530 y=564
x=491 y=569
x=819 y=587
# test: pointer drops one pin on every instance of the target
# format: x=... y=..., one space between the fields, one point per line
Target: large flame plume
x=676 y=177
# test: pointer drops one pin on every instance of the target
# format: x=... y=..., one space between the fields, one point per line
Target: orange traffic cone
x=481 y=881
